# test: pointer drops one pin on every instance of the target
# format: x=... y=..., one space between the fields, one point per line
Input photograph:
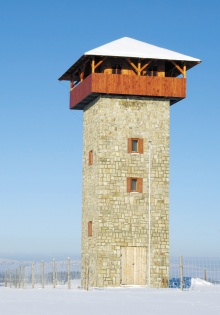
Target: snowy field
x=202 y=299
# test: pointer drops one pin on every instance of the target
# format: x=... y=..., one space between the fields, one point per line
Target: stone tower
x=125 y=89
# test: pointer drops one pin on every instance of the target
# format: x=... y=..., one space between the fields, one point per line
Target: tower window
x=90 y=157
x=134 y=184
x=90 y=228
x=135 y=145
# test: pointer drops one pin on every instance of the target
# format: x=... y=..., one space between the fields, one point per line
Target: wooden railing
x=99 y=83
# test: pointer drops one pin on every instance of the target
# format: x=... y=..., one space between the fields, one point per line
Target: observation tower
x=125 y=89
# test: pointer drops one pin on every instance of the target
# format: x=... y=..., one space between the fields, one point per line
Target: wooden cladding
x=135 y=145
x=101 y=83
x=90 y=157
x=90 y=228
x=134 y=184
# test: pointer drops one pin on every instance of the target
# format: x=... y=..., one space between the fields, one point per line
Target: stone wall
x=120 y=218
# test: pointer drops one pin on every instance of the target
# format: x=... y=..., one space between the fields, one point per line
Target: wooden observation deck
x=117 y=84
x=128 y=67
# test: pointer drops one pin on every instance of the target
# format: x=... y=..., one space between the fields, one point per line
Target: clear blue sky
x=41 y=139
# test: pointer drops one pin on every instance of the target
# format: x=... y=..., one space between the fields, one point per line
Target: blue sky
x=41 y=139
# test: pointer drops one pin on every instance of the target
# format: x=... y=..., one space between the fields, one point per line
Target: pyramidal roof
x=129 y=47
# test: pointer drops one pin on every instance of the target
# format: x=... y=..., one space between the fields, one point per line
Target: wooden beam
x=146 y=65
x=184 y=71
x=99 y=63
x=93 y=65
x=71 y=85
x=82 y=72
x=132 y=64
x=139 y=68
x=178 y=68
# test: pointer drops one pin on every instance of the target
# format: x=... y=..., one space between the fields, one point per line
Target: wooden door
x=133 y=265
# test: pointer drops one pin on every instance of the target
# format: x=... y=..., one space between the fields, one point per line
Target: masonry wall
x=120 y=218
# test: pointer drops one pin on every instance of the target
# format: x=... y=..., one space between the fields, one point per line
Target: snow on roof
x=129 y=47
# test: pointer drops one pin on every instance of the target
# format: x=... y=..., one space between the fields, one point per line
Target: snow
x=202 y=299
x=129 y=47
x=199 y=282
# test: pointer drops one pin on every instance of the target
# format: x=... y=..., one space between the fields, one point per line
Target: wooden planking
x=133 y=265
x=103 y=83
x=138 y=85
x=127 y=276
x=81 y=91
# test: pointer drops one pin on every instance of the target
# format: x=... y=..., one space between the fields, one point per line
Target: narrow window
x=135 y=145
x=90 y=157
x=134 y=184
x=90 y=228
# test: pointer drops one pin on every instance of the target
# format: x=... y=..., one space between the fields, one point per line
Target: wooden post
x=19 y=278
x=32 y=275
x=16 y=278
x=54 y=273
x=23 y=274
x=71 y=85
x=10 y=278
x=42 y=274
x=6 y=276
x=68 y=272
x=181 y=273
x=139 y=68
x=81 y=75
x=205 y=278
x=184 y=71
x=93 y=64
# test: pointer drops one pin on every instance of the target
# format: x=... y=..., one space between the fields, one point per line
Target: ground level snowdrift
x=198 y=283
x=201 y=299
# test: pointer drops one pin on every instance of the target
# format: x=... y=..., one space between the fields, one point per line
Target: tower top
x=129 y=47
x=128 y=67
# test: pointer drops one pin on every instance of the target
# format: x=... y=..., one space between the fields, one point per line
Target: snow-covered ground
x=202 y=299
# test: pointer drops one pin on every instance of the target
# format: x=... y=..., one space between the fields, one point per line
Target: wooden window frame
x=89 y=228
x=90 y=157
x=139 y=184
x=140 y=149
